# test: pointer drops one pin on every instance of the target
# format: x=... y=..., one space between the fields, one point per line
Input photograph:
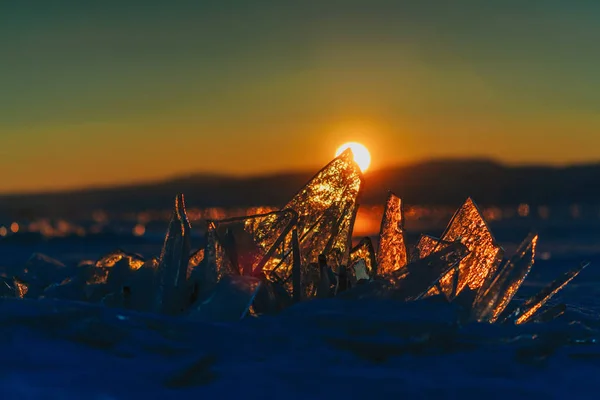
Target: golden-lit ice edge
x=445 y=295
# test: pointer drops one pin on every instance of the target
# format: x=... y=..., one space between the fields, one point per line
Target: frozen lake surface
x=318 y=349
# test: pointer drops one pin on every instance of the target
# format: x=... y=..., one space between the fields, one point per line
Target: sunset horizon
x=141 y=91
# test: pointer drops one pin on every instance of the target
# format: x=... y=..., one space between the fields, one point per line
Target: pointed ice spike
x=249 y=246
x=391 y=253
x=485 y=254
x=550 y=313
x=413 y=282
x=489 y=305
x=528 y=309
x=417 y=279
x=174 y=258
x=327 y=200
x=297 y=268
x=364 y=251
x=230 y=300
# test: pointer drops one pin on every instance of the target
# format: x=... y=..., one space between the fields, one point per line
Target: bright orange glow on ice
x=361 y=154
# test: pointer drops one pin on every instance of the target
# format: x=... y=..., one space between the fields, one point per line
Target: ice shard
x=296 y=268
x=230 y=301
x=110 y=259
x=415 y=280
x=196 y=259
x=173 y=264
x=364 y=251
x=493 y=299
x=248 y=246
x=391 y=252
x=326 y=208
x=419 y=277
x=528 y=309
x=468 y=226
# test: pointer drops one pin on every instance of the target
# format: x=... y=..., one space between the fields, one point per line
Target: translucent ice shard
x=173 y=264
x=391 y=253
x=109 y=260
x=296 y=268
x=415 y=280
x=468 y=226
x=419 y=277
x=196 y=259
x=326 y=208
x=363 y=251
x=528 y=309
x=230 y=301
x=493 y=299
x=250 y=247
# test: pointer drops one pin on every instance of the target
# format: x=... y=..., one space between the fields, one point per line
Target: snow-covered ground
x=318 y=349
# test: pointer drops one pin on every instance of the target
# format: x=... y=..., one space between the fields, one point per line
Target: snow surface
x=317 y=349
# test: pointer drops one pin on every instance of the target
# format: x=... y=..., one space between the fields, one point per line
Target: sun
x=361 y=154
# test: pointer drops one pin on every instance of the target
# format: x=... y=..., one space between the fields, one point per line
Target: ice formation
x=262 y=264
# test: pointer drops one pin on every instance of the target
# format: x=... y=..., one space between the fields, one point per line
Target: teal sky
x=103 y=92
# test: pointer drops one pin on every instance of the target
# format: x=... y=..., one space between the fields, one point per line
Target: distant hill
x=428 y=183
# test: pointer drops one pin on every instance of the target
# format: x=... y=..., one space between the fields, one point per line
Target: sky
x=115 y=91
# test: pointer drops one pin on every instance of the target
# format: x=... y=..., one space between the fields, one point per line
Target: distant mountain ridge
x=441 y=182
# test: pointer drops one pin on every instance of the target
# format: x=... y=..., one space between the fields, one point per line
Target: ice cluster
x=262 y=264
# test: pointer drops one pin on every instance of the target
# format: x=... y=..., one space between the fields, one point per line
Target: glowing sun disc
x=361 y=155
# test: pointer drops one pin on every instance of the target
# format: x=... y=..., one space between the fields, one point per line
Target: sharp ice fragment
x=249 y=246
x=326 y=208
x=414 y=281
x=173 y=265
x=417 y=279
x=196 y=259
x=528 y=309
x=492 y=300
x=296 y=268
x=468 y=226
x=392 y=253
